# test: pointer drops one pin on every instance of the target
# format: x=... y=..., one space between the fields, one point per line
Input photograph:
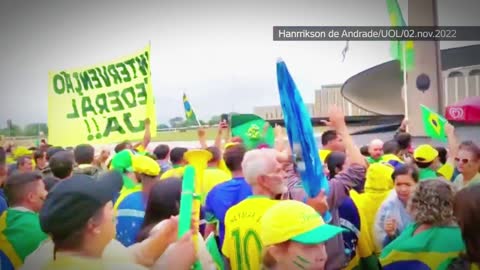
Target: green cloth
x=20 y=234
x=426 y=174
x=430 y=249
x=214 y=251
x=122 y=163
x=434 y=124
x=371 y=160
x=399 y=48
x=249 y=127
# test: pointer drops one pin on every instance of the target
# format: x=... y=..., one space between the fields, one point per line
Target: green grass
x=191 y=135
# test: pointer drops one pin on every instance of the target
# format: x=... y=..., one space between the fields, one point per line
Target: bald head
x=375 y=148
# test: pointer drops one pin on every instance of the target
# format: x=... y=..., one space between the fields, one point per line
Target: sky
x=221 y=53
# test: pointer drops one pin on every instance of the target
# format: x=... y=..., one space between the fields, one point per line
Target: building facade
x=331 y=95
x=275 y=112
x=460 y=83
x=324 y=98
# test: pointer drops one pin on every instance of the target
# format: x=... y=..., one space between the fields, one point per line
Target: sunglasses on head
x=463 y=160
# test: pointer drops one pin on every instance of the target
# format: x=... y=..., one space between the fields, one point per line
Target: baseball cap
x=295 y=221
x=145 y=165
x=21 y=151
x=71 y=203
x=425 y=153
x=122 y=161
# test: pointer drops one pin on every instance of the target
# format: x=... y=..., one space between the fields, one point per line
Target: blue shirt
x=3 y=202
x=221 y=198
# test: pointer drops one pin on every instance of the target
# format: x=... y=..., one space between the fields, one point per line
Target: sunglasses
x=463 y=160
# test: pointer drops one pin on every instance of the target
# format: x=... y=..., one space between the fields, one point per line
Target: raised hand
x=390 y=226
x=319 y=203
x=336 y=117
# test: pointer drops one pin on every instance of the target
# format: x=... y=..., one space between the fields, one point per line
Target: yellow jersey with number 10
x=242 y=244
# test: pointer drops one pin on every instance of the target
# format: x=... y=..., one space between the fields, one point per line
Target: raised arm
x=146 y=136
x=202 y=139
x=452 y=142
x=337 y=121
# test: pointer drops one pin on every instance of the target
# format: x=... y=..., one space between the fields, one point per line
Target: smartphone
x=224 y=117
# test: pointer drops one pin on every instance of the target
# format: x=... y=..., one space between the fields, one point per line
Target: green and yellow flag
x=252 y=129
x=399 y=48
x=20 y=235
x=189 y=113
x=434 y=124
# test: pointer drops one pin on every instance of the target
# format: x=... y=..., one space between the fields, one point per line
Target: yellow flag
x=101 y=104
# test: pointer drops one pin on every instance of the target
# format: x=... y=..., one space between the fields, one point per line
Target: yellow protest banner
x=101 y=104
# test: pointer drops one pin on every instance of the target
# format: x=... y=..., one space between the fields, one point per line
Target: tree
x=15 y=130
x=203 y=123
x=214 y=120
x=35 y=129
x=176 y=122
x=162 y=126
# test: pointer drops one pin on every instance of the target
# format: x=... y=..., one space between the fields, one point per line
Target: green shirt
x=426 y=174
x=372 y=160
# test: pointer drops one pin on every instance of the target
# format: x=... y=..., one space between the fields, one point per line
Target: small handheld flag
x=434 y=124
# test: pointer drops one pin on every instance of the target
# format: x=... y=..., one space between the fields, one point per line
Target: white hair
x=258 y=162
x=376 y=142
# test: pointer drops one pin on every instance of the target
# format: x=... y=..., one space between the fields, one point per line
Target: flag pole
x=405 y=98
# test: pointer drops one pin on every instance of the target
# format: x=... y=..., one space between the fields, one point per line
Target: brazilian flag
x=434 y=124
x=189 y=114
x=20 y=235
x=399 y=48
x=430 y=249
x=250 y=128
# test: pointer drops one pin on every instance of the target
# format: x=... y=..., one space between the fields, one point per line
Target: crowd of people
x=394 y=205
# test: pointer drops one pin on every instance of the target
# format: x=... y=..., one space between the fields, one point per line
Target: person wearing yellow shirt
x=242 y=244
x=294 y=237
x=178 y=162
x=213 y=175
x=331 y=142
x=430 y=167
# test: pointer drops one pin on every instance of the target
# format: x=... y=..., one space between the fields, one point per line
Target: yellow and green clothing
x=371 y=160
x=176 y=171
x=242 y=243
x=70 y=262
x=20 y=235
x=446 y=171
x=433 y=248
x=211 y=177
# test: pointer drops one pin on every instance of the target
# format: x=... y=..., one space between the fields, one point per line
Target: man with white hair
x=375 y=149
x=242 y=244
